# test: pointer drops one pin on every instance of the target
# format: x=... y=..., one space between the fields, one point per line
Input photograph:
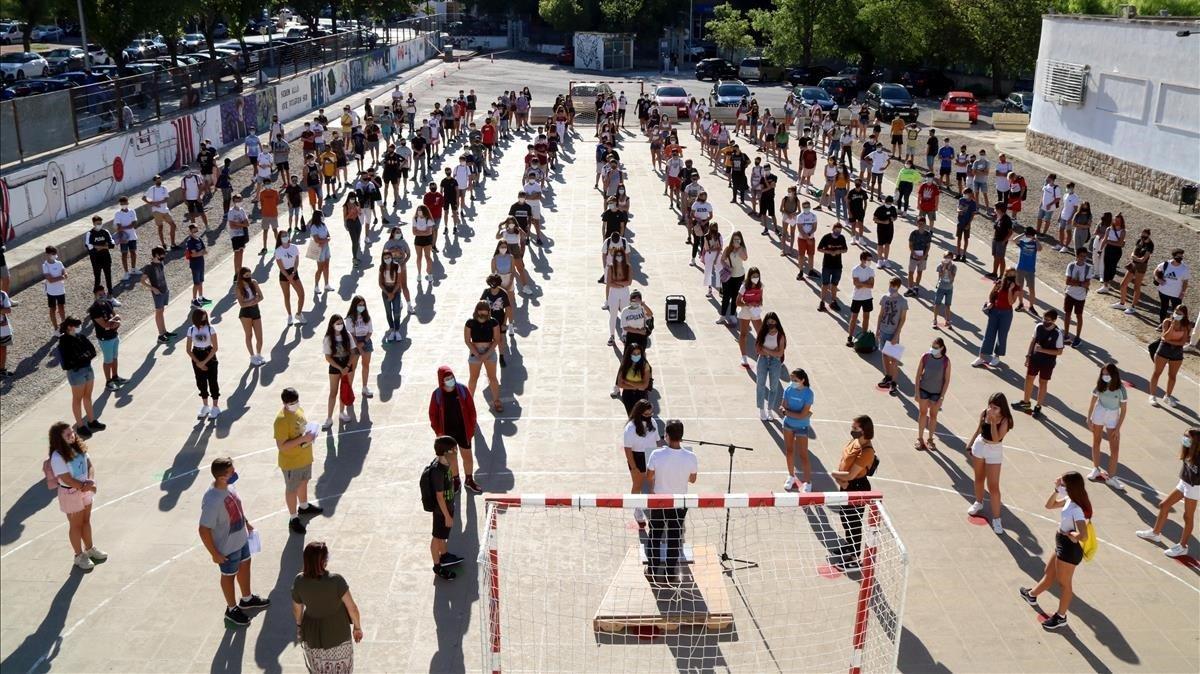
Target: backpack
x=428 y=495
x=1090 y=544
x=51 y=478
x=865 y=342
x=874 y=466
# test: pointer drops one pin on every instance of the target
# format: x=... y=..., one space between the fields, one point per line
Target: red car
x=961 y=101
x=566 y=56
x=672 y=97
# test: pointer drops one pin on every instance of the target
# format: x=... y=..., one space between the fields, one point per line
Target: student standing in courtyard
x=1106 y=414
x=987 y=454
x=857 y=462
x=452 y=413
x=75 y=354
x=1044 y=349
x=1187 y=490
x=932 y=381
x=328 y=622
x=225 y=532
x=439 y=488
x=639 y=440
x=74 y=474
x=294 y=441
x=1070 y=497
x=202 y=350
x=669 y=470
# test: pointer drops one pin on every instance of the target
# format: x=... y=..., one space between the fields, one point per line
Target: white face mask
x=1177 y=317
x=448 y=383
x=291 y=407
x=396 y=236
x=754 y=279
x=1186 y=441
x=934 y=351
x=1105 y=378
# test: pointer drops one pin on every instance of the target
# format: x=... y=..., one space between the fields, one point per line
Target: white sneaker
x=291 y=320
x=1153 y=401
x=1130 y=311
x=975 y=508
x=114 y=301
x=997 y=527
x=328 y=288
x=792 y=484
x=344 y=416
x=1115 y=483
x=1170 y=401
x=126 y=277
x=1118 y=305
x=1093 y=474
x=203 y=413
x=994 y=362
x=213 y=412
x=1148 y=535
x=327 y=425
x=1176 y=550
x=367 y=392
x=806 y=487
x=763 y=415
x=84 y=562
x=410 y=310
x=978 y=362
x=300 y=319
x=95 y=554
x=639 y=515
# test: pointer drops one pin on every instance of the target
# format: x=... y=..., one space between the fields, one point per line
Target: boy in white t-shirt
x=863 y=277
x=125 y=223
x=54 y=276
x=669 y=470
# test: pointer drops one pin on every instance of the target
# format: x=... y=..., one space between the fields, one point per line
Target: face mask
x=1177 y=317
x=291 y=407
x=636 y=358
x=612 y=207
x=934 y=351
x=96 y=227
x=339 y=326
x=448 y=383
x=232 y=478
x=856 y=434
x=1060 y=490
x=396 y=236
x=754 y=279
x=246 y=278
x=1178 y=260
x=361 y=308
x=521 y=200
x=72 y=331
x=619 y=258
x=1186 y=441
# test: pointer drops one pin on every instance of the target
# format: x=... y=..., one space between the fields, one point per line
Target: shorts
x=749 y=313
x=1047 y=215
x=806 y=246
x=806 y=172
x=798 y=426
x=1102 y=416
x=80 y=376
x=1025 y=278
x=234 y=560
x=1070 y=304
x=325 y=254
x=922 y=394
x=474 y=357
x=282 y=166
x=897 y=139
x=294 y=211
x=292 y=478
x=867 y=305
x=885 y=233
x=129 y=246
x=998 y=248
x=980 y=187
x=876 y=179
x=944 y=171
x=963 y=229
x=365 y=345
x=1001 y=195
x=251 y=312
x=341 y=363
x=885 y=337
x=916 y=264
x=423 y=240
x=831 y=276
x=991 y=452
x=56 y=300
x=673 y=183
x=440 y=531
x=271 y=221
x=239 y=242
x=1041 y=366
x=197 y=272
x=161 y=299
x=194 y=207
x=639 y=461
x=1063 y=225
x=283 y=278
x=1191 y=491
x=452 y=203
x=108 y=349
x=1169 y=352
x=1067 y=550
x=931 y=216
x=943 y=296
x=72 y=501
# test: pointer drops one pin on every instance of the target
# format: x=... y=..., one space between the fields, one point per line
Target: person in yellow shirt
x=329 y=167
x=294 y=440
x=897 y=129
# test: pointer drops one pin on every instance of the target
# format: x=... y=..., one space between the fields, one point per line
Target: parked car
x=98 y=56
x=566 y=56
x=728 y=93
x=759 y=69
x=140 y=49
x=46 y=33
x=806 y=75
x=961 y=101
x=672 y=97
x=64 y=58
x=81 y=78
x=18 y=65
x=12 y=32
x=841 y=89
x=715 y=69
x=47 y=84
x=702 y=50
x=926 y=82
x=219 y=31
x=810 y=95
x=588 y=91
x=1019 y=101
x=888 y=101
x=191 y=42
x=861 y=79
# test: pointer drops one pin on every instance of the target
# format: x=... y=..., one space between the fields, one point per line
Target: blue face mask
x=361 y=308
x=637 y=358
x=232 y=478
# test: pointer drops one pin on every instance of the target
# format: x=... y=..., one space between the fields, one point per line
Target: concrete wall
x=1142 y=104
x=78 y=180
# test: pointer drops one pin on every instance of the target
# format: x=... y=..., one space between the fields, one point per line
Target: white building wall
x=1143 y=90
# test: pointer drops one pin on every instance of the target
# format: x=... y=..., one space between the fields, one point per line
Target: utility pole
x=87 y=55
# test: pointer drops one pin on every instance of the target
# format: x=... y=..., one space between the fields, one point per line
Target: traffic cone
x=459 y=65
x=491 y=58
x=443 y=74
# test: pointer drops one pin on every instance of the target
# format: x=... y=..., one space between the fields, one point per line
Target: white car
x=46 y=34
x=98 y=56
x=11 y=33
x=20 y=65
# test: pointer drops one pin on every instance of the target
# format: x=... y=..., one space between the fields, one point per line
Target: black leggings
x=1112 y=260
x=101 y=264
x=903 y=190
x=206 y=380
x=729 y=292
x=630 y=397
x=852 y=522
x=354 y=227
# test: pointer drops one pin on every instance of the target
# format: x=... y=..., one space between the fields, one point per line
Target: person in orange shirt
x=268 y=209
x=857 y=462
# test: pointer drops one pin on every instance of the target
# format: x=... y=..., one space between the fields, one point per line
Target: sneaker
x=792 y=484
x=450 y=559
x=444 y=574
x=344 y=416
x=1094 y=474
x=291 y=320
x=114 y=301
x=997 y=527
x=1153 y=401
x=503 y=363
x=1028 y=596
x=213 y=412
x=978 y=362
x=1174 y=551
x=763 y=415
x=849 y=342
x=975 y=508
x=95 y=425
x=111 y=385
x=834 y=306
x=84 y=562
x=310 y=509
x=1037 y=412
x=1054 y=622
x=893 y=389
x=1131 y=311
x=994 y=362
x=1034 y=312
x=1118 y=305
x=847 y=564
x=886 y=382
x=329 y=288
x=1021 y=405
x=262 y=252
x=163 y=339
x=1148 y=535
x=327 y=425
x=297 y=527
x=1116 y=483
x=253 y=601
x=806 y=487
x=1076 y=342
x=1170 y=401
x=300 y=319
x=821 y=307
x=367 y=392
x=236 y=616
x=472 y=486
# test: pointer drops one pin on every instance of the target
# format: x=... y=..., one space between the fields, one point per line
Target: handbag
x=313 y=250
x=1152 y=347
x=346 y=391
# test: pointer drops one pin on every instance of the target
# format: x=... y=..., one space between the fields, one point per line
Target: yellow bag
x=1090 y=543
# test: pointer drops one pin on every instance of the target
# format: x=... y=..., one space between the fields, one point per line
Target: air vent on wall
x=1064 y=83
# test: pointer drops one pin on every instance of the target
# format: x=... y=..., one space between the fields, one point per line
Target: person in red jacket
x=452 y=413
x=1017 y=189
x=927 y=199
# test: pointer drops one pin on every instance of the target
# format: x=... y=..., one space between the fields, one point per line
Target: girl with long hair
x=1106 y=412
x=987 y=454
x=249 y=295
x=287 y=259
x=749 y=303
x=358 y=322
x=351 y=215
x=639 y=440
x=481 y=333
x=1188 y=491
x=770 y=345
x=733 y=272
x=202 y=350
x=393 y=283
x=796 y=411
x=1070 y=497
x=318 y=232
x=619 y=276
x=1001 y=300
x=424 y=230
x=340 y=351
x=932 y=382
x=72 y=467
x=1173 y=335
x=75 y=353
x=633 y=377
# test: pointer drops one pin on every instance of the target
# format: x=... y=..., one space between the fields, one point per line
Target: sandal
x=930 y=445
x=919 y=445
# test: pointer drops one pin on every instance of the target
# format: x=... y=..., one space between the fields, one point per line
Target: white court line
x=536 y=418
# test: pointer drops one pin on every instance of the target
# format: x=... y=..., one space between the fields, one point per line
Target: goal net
x=727 y=582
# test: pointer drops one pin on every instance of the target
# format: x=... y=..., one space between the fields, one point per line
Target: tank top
x=389 y=275
x=503 y=264
x=985 y=430
x=933 y=377
x=736 y=268
x=752 y=296
x=770 y=342
x=633 y=375
x=1002 y=300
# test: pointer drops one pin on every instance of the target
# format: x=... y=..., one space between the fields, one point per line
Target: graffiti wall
x=71 y=183
x=251 y=112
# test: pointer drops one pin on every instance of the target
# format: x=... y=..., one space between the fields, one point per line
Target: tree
x=113 y=24
x=567 y=15
x=31 y=13
x=730 y=29
x=622 y=16
x=789 y=30
x=1004 y=34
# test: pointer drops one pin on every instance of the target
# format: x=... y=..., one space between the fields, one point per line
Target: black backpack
x=428 y=494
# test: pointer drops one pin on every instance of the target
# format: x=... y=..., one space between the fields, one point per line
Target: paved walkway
x=157 y=596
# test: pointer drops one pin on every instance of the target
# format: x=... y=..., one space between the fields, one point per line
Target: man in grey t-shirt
x=225 y=533
x=893 y=310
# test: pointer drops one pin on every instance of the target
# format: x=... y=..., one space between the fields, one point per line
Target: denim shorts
x=235 y=559
x=366 y=345
x=129 y=246
x=830 y=277
x=198 y=272
x=161 y=299
x=108 y=349
x=1045 y=214
x=943 y=296
x=80 y=376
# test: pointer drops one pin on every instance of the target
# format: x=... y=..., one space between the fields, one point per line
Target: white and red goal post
x=764 y=582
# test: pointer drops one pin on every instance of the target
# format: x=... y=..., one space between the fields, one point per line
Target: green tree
x=31 y=13
x=790 y=29
x=567 y=15
x=113 y=24
x=730 y=29
x=1005 y=35
x=622 y=16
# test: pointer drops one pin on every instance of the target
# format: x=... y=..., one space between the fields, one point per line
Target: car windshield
x=59 y=52
x=831 y=82
x=815 y=93
x=1025 y=98
x=895 y=93
x=193 y=36
x=13 y=57
x=733 y=90
x=671 y=91
x=962 y=100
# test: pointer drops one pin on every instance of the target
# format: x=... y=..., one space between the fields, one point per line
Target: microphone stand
x=728 y=564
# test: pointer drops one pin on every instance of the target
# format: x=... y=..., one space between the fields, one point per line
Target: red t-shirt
x=927 y=197
x=488 y=134
x=268 y=203
x=433 y=201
